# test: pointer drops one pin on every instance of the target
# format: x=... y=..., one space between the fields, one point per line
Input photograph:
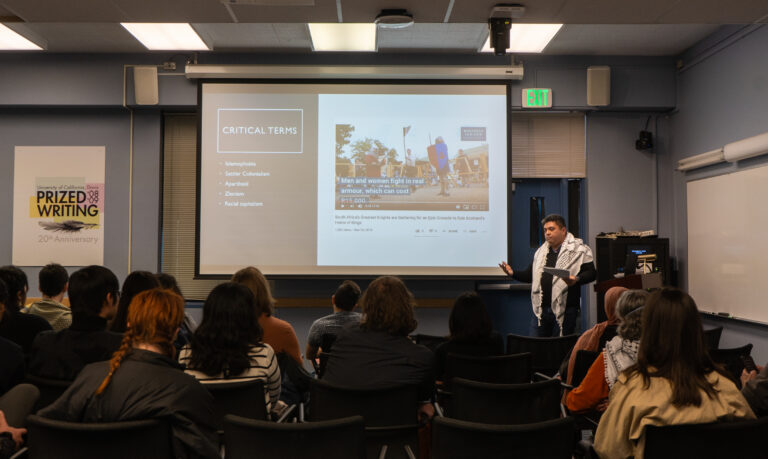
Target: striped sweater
x=263 y=366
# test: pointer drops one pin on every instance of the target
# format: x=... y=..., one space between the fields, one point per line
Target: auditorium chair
x=737 y=439
x=336 y=438
x=503 y=369
x=546 y=353
x=389 y=414
x=584 y=360
x=50 y=389
x=241 y=398
x=455 y=439
x=712 y=337
x=505 y=403
x=326 y=344
x=731 y=359
x=51 y=439
x=429 y=341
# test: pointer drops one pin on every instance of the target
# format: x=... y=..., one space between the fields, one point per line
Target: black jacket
x=11 y=365
x=22 y=328
x=62 y=354
x=366 y=359
x=147 y=385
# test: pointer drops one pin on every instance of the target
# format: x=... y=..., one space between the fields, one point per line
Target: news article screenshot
x=441 y=172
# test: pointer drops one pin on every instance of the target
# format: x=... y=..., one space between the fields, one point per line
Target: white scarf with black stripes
x=573 y=253
x=619 y=354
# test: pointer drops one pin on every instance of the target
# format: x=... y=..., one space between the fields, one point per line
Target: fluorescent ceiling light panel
x=10 y=40
x=166 y=36
x=528 y=38
x=343 y=37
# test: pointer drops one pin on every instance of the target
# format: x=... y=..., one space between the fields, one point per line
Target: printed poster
x=58 y=206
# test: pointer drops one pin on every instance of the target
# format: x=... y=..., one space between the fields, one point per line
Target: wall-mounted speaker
x=599 y=86
x=145 y=85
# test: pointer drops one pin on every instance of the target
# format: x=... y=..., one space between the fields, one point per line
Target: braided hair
x=154 y=317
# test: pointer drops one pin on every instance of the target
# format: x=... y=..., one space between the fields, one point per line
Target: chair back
x=584 y=360
x=455 y=439
x=325 y=439
x=430 y=341
x=241 y=398
x=326 y=341
x=742 y=439
x=378 y=407
x=50 y=389
x=712 y=337
x=731 y=359
x=503 y=369
x=51 y=439
x=547 y=353
x=389 y=414
x=505 y=403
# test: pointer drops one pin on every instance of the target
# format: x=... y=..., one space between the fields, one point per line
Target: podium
x=632 y=282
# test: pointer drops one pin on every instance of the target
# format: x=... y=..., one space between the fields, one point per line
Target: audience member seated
x=619 y=354
x=674 y=381
x=135 y=283
x=754 y=388
x=343 y=302
x=11 y=438
x=144 y=381
x=227 y=346
x=595 y=338
x=277 y=333
x=11 y=355
x=53 y=281
x=93 y=294
x=377 y=353
x=15 y=325
x=15 y=406
x=188 y=326
x=471 y=332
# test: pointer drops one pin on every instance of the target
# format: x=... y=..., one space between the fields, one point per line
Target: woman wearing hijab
x=595 y=338
x=619 y=353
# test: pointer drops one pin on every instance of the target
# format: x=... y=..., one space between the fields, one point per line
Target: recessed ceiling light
x=343 y=37
x=10 y=40
x=166 y=36
x=528 y=38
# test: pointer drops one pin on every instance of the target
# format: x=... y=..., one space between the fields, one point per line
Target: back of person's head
x=347 y=295
x=168 y=282
x=558 y=219
x=672 y=346
x=16 y=282
x=610 y=300
x=469 y=320
x=89 y=287
x=53 y=279
x=388 y=306
x=154 y=317
x=252 y=278
x=135 y=283
x=629 y=310
x=229 y=328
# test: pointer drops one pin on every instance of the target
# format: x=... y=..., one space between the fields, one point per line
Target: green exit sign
x=537 y=98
